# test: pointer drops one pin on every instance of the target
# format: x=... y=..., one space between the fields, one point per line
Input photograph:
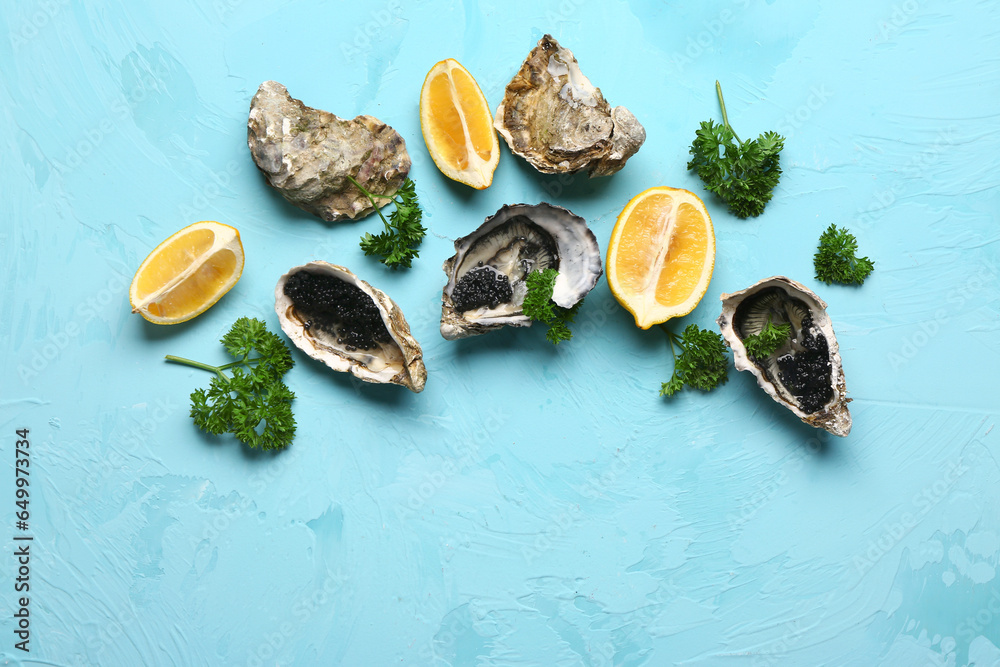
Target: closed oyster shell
x=553 y=117
x=391 y=357
x=806 y=374
x=486 y=276
x=307 y=154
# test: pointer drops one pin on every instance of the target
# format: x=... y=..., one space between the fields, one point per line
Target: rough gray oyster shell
x=553 y=117
x=307 y=154
x=805 y=374
x=354 y=328
x=486 y=277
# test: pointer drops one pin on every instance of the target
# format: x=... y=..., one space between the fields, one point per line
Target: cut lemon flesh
x=661 y=255
x=457 y=125
x=187 y=273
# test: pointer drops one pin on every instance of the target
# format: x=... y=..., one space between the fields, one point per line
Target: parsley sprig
x=702 y=363
x=538 y=305
x=770 y=338
x=252 y=402
x=746 y=172
x=836 y=260
x=397 y=245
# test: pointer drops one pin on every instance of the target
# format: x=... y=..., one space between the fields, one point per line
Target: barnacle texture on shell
x=553 y=117
x=805 y=374
x=339 y=319
x=486 y=277
x=307 y=154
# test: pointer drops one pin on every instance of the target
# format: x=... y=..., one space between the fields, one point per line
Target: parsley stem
x=725 y=116
x=670 y=339
x=246 y=362
x=189 y=362
x=209 y=367
x=198 y=364
x=378 y=209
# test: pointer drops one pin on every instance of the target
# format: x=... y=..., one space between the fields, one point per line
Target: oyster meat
x=805 y=374
x=486 y=277
x=553 y=117
x=307 y=154
x=339 y=319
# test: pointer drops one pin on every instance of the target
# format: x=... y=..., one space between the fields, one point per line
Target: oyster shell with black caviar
x=486 y=277
x=337 y=318
x=805 y=374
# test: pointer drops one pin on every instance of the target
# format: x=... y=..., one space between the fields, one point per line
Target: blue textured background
x=534 y=506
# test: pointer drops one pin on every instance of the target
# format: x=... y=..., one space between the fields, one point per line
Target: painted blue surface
x=533 y=506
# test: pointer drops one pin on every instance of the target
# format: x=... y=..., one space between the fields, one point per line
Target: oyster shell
x=339 y=319
x=805 y=374
x=307 y=154
x=486 y=285
x=553 y=117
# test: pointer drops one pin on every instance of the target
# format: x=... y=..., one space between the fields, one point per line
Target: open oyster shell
x=486 y=277
x=339 y=319
x=553 y=117
x=806 y=374
x=307 y=154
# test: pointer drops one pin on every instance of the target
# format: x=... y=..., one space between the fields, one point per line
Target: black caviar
x=337 y=307
x=807 y=374
x=482 y=286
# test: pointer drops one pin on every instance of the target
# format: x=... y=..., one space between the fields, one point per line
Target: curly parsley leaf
x=538 y=300
x=252 y=402
x=836 y=260
x=770 y=338
x=538 y=305
x=742 y=173
x=397 y=245
x=702 y=363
